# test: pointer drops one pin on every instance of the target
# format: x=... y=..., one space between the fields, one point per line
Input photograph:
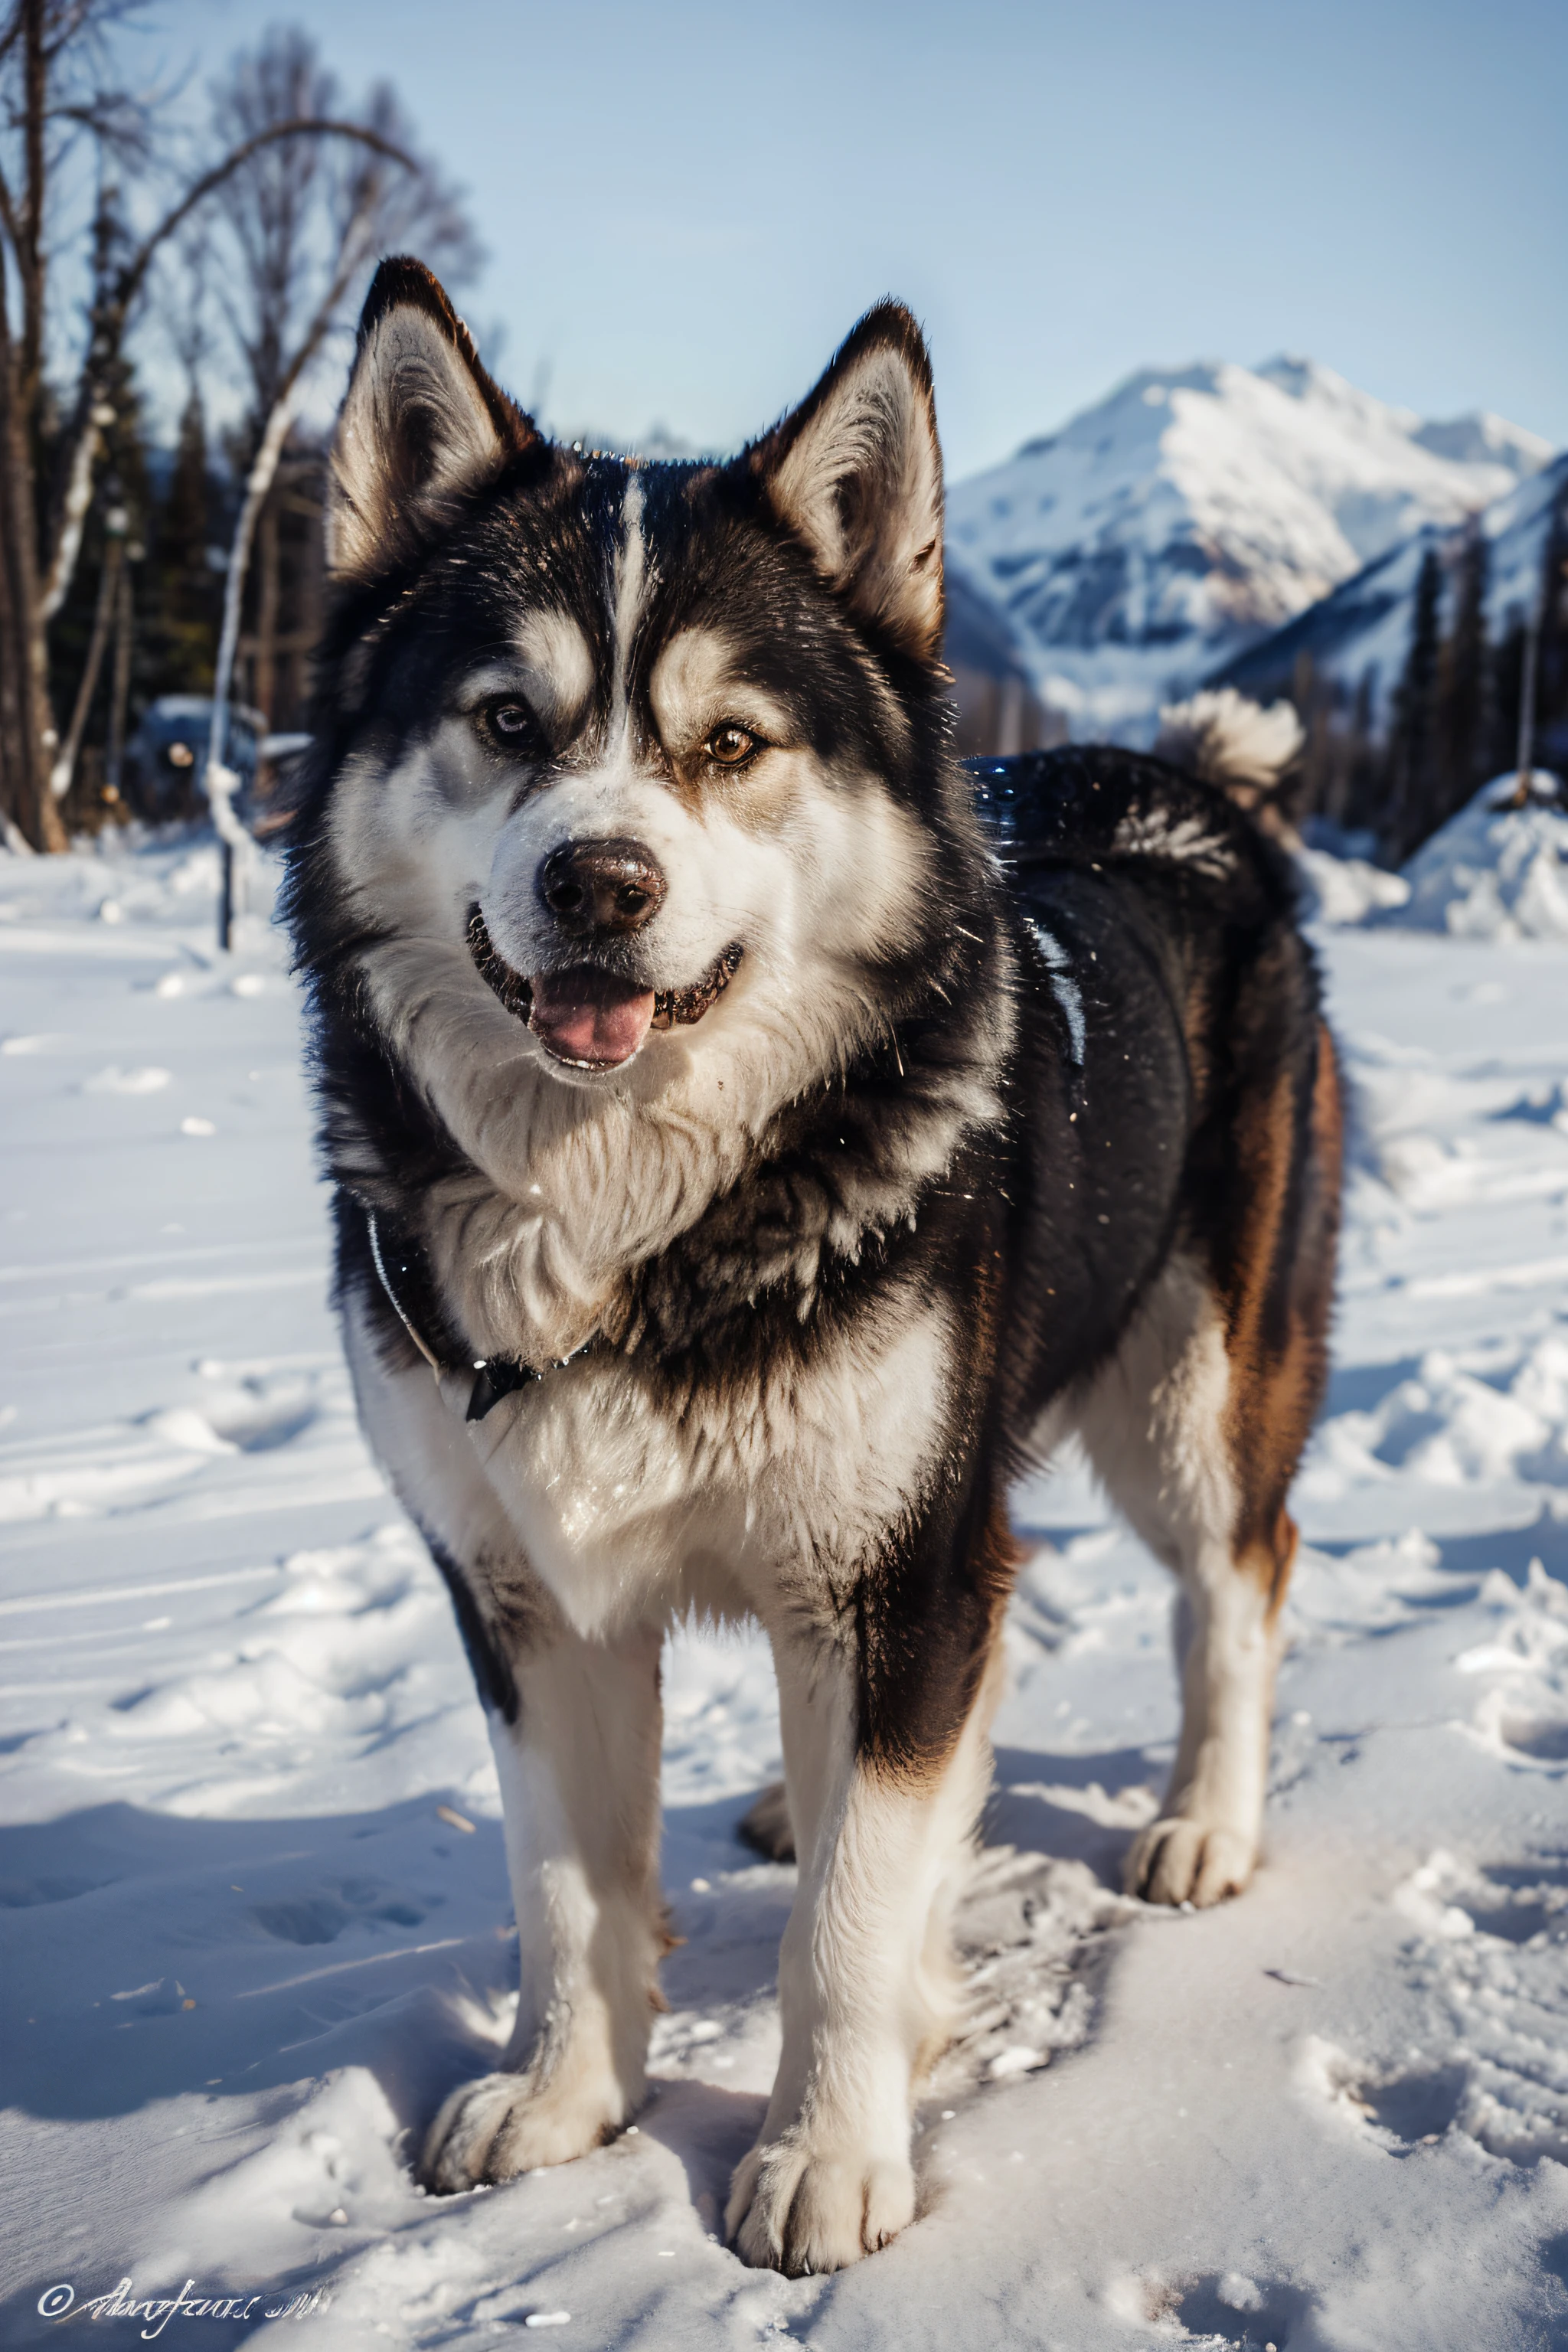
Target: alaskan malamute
x=756 y=1139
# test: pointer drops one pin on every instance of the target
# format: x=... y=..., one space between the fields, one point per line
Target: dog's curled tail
x=1229 y=740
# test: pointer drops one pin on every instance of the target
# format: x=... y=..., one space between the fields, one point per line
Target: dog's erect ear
x=421 y=424
x=856 y=471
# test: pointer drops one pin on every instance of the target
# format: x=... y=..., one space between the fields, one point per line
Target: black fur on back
x=1195 y=979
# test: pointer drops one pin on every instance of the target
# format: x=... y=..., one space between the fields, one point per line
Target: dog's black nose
x=599 y=887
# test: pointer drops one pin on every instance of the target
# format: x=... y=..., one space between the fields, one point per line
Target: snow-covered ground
x=1497 y=870
x=256 y=1915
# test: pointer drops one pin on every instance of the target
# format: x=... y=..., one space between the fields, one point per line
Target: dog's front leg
x=865 y=1981
x=579 y=1775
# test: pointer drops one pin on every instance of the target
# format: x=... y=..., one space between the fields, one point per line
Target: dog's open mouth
x=590 y=1019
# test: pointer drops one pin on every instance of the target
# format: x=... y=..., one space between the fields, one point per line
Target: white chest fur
x=631 y=1495
x=627 y=1493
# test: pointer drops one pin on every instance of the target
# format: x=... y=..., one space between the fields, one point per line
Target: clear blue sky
x=687 y=205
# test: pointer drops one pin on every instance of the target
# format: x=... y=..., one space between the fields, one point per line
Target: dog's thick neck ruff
x=406 y=1283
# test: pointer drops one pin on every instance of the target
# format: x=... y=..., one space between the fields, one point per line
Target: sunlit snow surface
x=244 y=1951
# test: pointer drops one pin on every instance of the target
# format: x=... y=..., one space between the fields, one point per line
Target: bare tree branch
x=109 y=319
x=135 y=270
x=64 y=769
x=306 y=189
x=8 y=213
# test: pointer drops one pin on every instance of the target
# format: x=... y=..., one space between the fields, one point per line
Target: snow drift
x=1494 y=872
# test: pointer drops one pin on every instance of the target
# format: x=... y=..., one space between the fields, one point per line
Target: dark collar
x=404 y=1272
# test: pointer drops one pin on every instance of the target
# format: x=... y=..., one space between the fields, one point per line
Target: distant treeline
x=239 y=245
x=1452 y=720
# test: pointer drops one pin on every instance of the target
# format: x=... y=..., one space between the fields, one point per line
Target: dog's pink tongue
x=583 y=1015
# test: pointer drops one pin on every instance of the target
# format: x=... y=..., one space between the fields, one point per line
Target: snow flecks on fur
x=1064 y=986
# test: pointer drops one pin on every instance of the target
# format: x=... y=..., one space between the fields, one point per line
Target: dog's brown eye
x=511 y=719
x=730 y=745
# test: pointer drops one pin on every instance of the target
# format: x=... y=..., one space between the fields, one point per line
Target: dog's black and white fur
x=755 y=1138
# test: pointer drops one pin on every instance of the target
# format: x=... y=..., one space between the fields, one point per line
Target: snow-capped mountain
x=1197 y=510
x=1483 y=439
x=1361 y=632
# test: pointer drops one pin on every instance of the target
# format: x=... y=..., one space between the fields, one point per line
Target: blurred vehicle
x=165 y=771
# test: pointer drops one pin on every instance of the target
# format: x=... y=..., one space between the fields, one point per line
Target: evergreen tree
x=1463 y=685
x=1312 y=787
x=1411 y=793
x=189 y=596
x=1551 y=658
x=1363 y=759
x=1551 y=663
x=1508 y=683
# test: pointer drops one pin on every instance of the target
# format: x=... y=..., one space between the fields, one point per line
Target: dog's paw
x=501 y=2124
x=1195 y=1861
x=800 y=2208
x=766 y=1826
